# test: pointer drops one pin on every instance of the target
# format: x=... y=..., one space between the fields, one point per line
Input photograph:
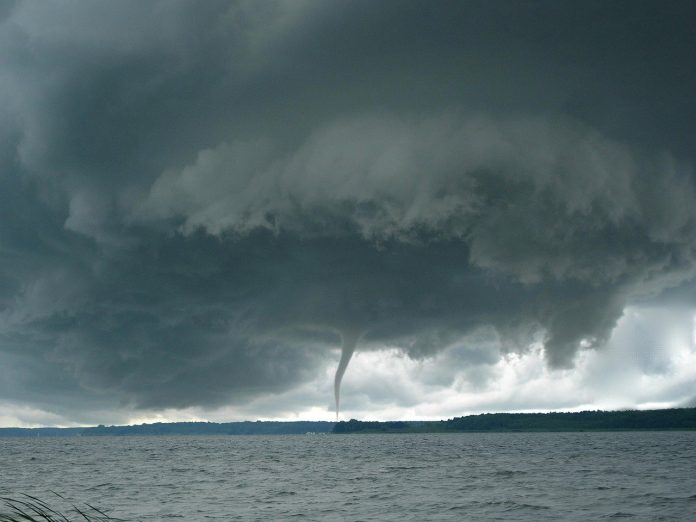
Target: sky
x=205 y=206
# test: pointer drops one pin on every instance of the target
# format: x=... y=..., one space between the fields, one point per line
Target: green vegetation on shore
x=671 y=419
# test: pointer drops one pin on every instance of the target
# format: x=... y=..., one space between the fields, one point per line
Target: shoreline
x=674 y=419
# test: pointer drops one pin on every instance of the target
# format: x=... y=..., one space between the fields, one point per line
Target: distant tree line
x=214 y=428
x=179 y=428
x=671 y=419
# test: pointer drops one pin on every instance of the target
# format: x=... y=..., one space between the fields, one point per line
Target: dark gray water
x=503 y=476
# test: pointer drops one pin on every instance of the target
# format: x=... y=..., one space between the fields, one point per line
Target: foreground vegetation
x=32 y=509
x=672 y=419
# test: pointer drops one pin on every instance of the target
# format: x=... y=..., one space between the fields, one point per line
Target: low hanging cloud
x=195 y=212
x=543 y=207
x=529 y=197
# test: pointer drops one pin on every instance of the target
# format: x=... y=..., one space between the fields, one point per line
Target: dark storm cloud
x=199 y=199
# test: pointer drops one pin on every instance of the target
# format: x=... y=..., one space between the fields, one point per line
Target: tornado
x=349 y=341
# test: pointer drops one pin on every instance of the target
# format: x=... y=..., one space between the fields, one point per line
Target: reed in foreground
x=29 y=509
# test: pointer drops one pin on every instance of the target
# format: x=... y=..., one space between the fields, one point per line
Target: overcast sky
x=201 y=202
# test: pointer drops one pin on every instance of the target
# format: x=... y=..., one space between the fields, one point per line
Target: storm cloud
x=198 y=201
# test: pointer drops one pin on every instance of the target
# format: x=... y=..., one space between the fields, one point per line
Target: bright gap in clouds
x=649 y=362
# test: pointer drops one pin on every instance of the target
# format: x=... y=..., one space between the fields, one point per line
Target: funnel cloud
x=195 y=198
x=349 y=341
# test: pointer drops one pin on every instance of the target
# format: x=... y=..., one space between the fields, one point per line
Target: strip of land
x=179 y=428
x=628 y=420
x=671 y=419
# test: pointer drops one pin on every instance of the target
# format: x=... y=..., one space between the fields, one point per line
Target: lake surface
x=501 y=476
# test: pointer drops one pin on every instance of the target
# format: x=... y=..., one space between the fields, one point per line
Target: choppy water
x=504 y=476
